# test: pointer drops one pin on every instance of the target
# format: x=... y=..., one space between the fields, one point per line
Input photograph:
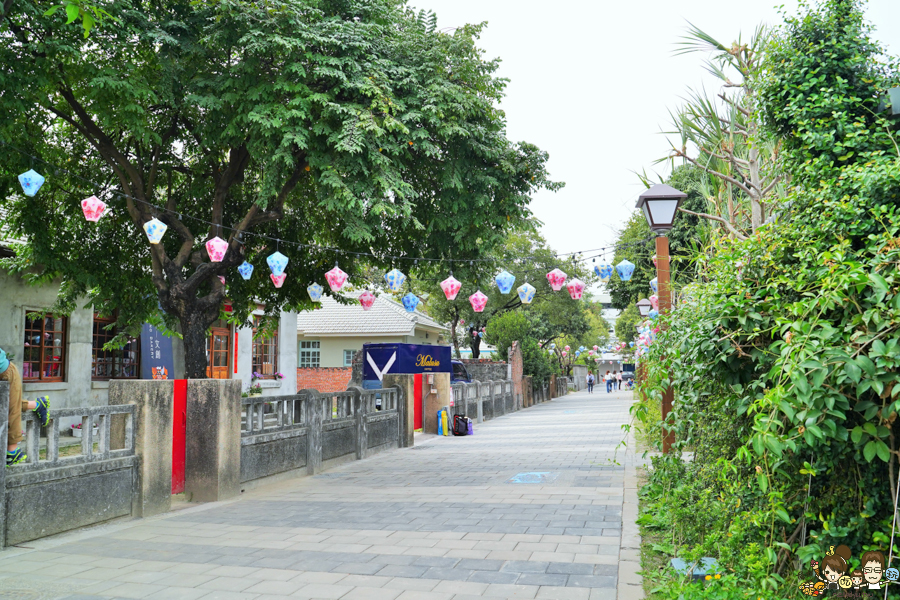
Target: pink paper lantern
x=367 y=299
x=557 y=279
x=567 y=348
x=93 y=208
x=478 y=301
x=216 y=248
x=655 y=260
x=222 y=279
x=336 y=279
x=654 y=302
x=278 y=280
x=576 y=288
x=564 y=353
x=451 y=287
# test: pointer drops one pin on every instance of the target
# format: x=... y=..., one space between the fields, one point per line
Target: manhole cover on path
x=534 y=477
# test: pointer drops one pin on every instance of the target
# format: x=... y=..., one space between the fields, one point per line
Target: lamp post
x=643 y=306
x=659 y=205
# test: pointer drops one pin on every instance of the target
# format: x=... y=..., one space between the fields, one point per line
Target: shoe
x=15 y=457
x=43 y=410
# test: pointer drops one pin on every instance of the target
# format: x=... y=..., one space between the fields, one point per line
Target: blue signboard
x=380 y=359
x=156 y=354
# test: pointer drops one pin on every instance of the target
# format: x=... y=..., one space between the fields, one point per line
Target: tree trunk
x=756 y=215
x=453 y=339
x=194 y=329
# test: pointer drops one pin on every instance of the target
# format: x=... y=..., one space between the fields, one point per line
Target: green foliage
x=785 y=358
x=626 y=323
x=350 y=124
x=504 y=329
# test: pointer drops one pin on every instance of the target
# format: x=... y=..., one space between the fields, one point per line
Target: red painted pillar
x=179 y=435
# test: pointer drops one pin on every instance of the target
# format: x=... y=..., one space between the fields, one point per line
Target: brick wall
x=324 y=379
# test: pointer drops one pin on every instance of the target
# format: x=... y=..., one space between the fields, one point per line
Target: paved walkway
x=530 y=506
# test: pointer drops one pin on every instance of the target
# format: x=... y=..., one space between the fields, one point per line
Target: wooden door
x=217 y=353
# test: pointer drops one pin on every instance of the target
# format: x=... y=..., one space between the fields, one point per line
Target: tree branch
x=727 y=225
x=722 y=176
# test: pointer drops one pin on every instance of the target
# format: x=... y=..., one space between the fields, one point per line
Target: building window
x=45 y=347
x=119 y=363
x=349 y=355
x=218 y=350
x=309 y=354
x=265 y=349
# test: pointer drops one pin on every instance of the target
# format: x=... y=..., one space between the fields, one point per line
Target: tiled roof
x=387 y=317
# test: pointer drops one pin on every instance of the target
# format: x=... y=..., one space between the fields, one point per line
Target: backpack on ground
x=460 y=425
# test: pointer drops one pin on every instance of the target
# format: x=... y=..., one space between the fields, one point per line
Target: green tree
x=626 y=323
x=350 y=124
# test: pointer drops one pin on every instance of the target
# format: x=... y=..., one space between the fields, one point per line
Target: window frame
x=258 y=342
x=108 y=335
x=63 y=347
x=352 y=357
x=314 y=349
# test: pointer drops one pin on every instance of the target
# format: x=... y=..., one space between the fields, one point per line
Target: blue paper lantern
x=631 y=344
x=246 y=270
x=654 y=314
x=277 y=262
x=654 y=285
x=505 y=281
x=155 y=229
x=315 y=292
x=625 y=270
x=604 y=271
x=31 y=181
x=395 y=279
x=410 y=302
x=526 y=293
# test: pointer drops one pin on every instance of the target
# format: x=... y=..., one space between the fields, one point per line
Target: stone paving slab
x=531 y=506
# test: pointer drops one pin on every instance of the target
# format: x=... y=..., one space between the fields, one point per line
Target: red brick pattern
x=324 y=379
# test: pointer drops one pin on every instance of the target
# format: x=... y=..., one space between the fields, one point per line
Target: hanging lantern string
x=594 y=252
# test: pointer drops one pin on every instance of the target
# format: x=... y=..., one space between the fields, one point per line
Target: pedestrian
x=590 y=382
x=619 y=380
x=41 y=408
x=614 y=382
x=608 y=379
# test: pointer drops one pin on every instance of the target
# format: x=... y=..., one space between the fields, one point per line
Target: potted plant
x=255 y=390
x=76 y=430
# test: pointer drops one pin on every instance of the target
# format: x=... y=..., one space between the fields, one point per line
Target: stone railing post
x=152 y=427
x=213 y=450
x=479 y=401
x=361 y=409
x=405 y=386
x=4 y=426
x=314 y=410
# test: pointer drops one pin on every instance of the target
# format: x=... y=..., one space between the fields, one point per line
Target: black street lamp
x=660 y=204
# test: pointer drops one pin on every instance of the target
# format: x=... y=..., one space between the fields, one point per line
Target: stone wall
x=324 y=379
x=484 y=369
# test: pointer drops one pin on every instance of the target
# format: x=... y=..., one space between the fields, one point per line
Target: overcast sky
x=592 y=82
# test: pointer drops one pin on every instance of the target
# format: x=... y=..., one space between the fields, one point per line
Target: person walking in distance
x=608 y=379
x=619 y=380
x=614 y=382
x=590 y=382
x=41 y=408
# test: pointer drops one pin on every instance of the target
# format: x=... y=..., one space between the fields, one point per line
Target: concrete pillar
x=405 y=384
x=479 y=401
x=152 y=439
x=4 y=425
x=213 y=456
x=314 y=408
x=361 y=408
x=435 y=402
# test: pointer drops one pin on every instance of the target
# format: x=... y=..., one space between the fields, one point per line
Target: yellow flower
x=718 y=576
x=708 y=577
